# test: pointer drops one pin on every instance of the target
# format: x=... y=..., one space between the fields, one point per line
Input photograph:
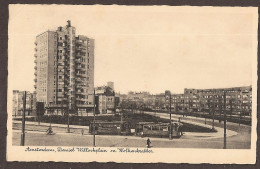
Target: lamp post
x=225 y=119
x=94 y=125
x=68 y=122
x=170 y=117
x=168 y=97
x=23 y=120
x=47 y=113
x=213 y=109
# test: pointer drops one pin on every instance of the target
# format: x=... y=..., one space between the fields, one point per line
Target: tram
x=110 y=128
x=151 y=129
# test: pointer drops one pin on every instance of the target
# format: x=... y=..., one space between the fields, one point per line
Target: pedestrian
x=180 y=128
x=148 y=143
x=82 y=132
x=49 y=131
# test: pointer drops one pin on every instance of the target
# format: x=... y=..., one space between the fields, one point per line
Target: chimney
x=60 y=28
x=69 y=24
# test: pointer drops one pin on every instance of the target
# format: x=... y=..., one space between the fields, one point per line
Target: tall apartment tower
x=64 y=70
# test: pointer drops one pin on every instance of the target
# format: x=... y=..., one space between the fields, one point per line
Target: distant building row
x=238 y=100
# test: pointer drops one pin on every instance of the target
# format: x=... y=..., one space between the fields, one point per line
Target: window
x=60 y=90
x=60 y=38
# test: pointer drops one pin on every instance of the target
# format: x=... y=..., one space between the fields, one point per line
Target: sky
x=148 y=48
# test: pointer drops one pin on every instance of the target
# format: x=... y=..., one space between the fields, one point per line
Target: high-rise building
x=64 y=70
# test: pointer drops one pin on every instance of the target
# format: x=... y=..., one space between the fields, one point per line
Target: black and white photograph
x=132 y=83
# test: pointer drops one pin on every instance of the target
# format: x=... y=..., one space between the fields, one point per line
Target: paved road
x=35 y=136
x=243 y=131
x=69 y=139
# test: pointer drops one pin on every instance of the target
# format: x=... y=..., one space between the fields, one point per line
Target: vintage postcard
x=132 y=84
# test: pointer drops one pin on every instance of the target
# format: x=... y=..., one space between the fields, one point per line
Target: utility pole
x=240 y=111
x=225 y=121
x=50 y=117
x=23 y=120
x=121 y=114
x=94 y=125
x=68 y=124
x=170 y=117
x=213 y=125
x=169 y=98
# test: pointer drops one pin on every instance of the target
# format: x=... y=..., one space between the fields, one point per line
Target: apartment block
x=106 y=100
x=64 y=70
x=237 y=100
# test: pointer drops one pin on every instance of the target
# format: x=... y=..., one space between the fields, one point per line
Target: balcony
x=35 y=80
x=78 y=80
x=81 y=93
x=81 y=99
x=77 y=61
x=60 y=63
x=35 y=67
x=35 y=55
x=35 y=86
x=35 y=49
x=36 y=43
x=35 y=61
x=78 y=55
x=81 y=75
x=35 y=73
x=79 y=67
x=81 y=85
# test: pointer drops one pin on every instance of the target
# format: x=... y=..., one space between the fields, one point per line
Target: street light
x=168 y=97
x=94 y=125
x=68 y=124
x=170 y=117
x=23 y=120
x=225 y=119
x=213 y=127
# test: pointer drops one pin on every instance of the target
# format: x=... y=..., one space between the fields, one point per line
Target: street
x=36 y=136
x=69 y=139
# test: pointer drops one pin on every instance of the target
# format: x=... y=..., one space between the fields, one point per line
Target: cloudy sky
x=145 y=48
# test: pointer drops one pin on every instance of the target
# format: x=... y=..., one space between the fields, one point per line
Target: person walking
x=148 y=143
x=180 y=128
x=82 y=132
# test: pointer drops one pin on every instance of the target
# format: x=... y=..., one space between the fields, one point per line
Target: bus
x=152 y=129
x=110 y=128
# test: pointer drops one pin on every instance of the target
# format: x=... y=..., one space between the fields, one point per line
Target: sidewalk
x=53 y=125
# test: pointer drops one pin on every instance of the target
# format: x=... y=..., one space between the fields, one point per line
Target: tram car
x=151 y=129
x=110 y=128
